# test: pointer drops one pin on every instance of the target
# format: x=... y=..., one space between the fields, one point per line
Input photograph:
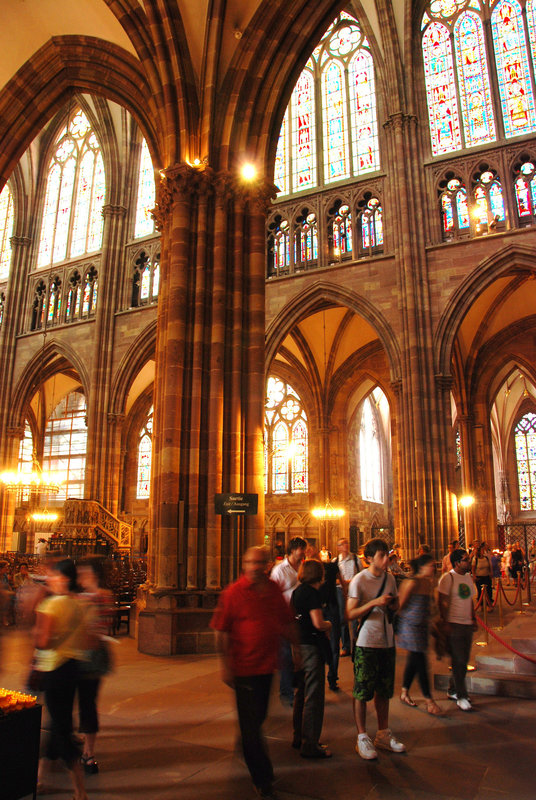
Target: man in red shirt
x=251 y=618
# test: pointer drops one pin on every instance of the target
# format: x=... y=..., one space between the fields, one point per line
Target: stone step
x=494 y=684
x=509 y=663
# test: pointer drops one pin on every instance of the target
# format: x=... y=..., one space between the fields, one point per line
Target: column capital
x=184 y=180
x=15 y=431
x=20 y=241
x=399 y=120
x=113 y=211
x=443 y=382
x=115 y=419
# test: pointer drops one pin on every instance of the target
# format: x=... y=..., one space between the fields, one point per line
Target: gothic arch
x=321 y=294
x=140 y=351
x=264 y=70
x=513 y=258
x=45 y=82
x=42 y=365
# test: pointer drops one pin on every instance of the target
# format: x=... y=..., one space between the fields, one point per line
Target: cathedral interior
x=284 y=250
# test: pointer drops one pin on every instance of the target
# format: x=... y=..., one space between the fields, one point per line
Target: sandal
x=406 y=699
x=433 y=708
x=90 y=765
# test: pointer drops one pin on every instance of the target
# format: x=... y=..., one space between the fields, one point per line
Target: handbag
x=99 y=661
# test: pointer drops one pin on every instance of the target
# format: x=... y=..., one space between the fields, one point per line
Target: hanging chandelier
x=327 y=512
x=34 y=481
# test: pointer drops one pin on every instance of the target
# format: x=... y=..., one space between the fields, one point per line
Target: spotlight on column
x=248 y=172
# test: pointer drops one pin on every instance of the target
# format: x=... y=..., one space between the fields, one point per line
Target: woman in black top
x=309 y=698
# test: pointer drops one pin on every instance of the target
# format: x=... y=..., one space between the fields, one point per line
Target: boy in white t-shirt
x=372 y=594
x=456 y=591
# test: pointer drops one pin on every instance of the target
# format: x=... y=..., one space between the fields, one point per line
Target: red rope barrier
x=508 y=646
x=505 y=597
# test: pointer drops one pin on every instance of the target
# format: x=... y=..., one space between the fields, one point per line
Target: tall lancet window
x=525 y=446
x=286 y=440
x=330 y=130
x=370 y=453
x=146 y=195
x=145 y=444
x=470 y=46
x=7 y=217
x=72 y=221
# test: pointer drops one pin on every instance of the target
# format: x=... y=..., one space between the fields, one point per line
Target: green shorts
x=374 y=672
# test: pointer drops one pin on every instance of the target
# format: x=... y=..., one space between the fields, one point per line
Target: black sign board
x=240 y=504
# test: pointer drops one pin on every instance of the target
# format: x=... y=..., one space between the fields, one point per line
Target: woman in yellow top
x=61 y=640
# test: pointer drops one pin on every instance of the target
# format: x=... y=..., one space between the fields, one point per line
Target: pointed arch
x=321 y=294
x=513 y=258
x=46 y=81
x=56 y=356
x=140 y=351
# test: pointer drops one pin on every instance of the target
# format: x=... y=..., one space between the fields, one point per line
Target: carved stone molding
x=444 y=382
x=20 y=241
x=184 y=180
x=115 y=419
x=113 y=211
x=15 y=432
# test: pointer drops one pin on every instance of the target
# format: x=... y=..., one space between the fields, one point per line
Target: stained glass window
x=525 y=448
x=517 y=98
x=38 y=305
x=306 y=241
x=26 y=448
x=146 y=279
x=441 y=90
x=340 y=237
x=72 y=220
x=469 y=83
x=7 y=218
x=370 y=453
x=475 y=93
x=343 y=131
x=65 y=444
x=144 y=457
x=454 y=210
x=525 y=190
x=54 y=301
x=286 y=440
x=372 y=227
x=146 y=194
x=458 y=442
x=489 y=203
x=2 y=306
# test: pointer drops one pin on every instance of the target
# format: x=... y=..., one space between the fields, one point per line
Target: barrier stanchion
x=484 y=600
x=520 y=595
x=499 y=601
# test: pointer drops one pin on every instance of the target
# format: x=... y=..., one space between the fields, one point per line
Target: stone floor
x=169 y=733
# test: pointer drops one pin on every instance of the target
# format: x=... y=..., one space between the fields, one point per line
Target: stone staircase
x=498 y=671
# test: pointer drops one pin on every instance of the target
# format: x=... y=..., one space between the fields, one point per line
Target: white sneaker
x=464 y=704
x=365 y=748
x=452 y=695
x=386 y=741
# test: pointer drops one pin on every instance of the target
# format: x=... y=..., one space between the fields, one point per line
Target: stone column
x=209 y=399
x=97 y=483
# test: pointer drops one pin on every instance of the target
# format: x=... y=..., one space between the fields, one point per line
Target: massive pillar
x=426 y=514
x=209 y=399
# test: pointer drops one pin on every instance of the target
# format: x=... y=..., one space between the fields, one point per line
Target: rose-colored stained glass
x=281 y=171
x=335 y=138
x=286 y=440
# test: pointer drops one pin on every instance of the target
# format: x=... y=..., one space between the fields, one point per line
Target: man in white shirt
x=455 y=594
x=372 y=598
x=285 y=574
x=349 y=565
